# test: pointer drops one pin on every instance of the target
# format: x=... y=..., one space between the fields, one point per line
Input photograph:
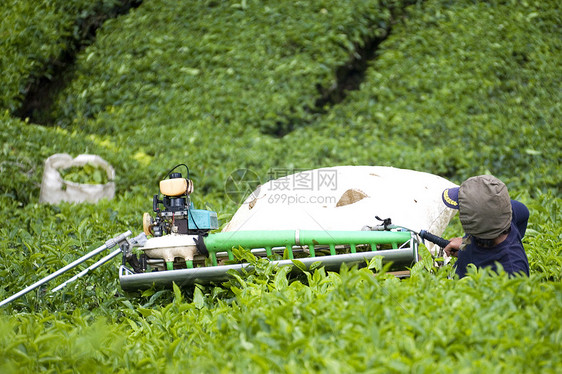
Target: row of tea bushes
x=458 y=89
x=37 y=36
x=255 y=63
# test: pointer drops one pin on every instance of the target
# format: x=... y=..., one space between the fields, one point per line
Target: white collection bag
x=347 y=198
x=54 y=189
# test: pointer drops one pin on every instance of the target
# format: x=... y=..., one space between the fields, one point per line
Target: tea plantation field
x=451 y=88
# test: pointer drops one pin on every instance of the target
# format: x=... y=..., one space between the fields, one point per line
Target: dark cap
x=484 y=206
x=450 y=197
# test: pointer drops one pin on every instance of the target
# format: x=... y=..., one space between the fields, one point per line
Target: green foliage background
x=455 y=88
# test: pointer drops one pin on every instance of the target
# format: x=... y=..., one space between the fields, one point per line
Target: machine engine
x=177 y=230
x=177 y=214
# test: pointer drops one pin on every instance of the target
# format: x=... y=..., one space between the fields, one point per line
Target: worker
x=493 y=225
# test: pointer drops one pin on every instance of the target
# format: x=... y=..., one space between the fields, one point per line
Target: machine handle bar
x=109 y=244
x=426 y=235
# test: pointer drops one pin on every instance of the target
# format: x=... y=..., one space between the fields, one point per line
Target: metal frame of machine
x=329 y=248
x=183 y=251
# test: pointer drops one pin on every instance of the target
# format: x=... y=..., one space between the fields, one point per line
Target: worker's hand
x=453 y=247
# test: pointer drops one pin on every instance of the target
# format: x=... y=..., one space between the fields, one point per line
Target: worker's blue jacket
x=509 y=253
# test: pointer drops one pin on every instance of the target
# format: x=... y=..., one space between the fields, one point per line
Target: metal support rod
x=88 y=269
x=108 y=244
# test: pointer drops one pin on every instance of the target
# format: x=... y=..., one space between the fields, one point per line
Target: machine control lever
x=426 y=235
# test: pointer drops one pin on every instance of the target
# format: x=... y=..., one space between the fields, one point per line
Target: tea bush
x=455 y=89
x=37 y=36
x=345 y=322
x=256 y=63
x=458 y=90
x=33 y=34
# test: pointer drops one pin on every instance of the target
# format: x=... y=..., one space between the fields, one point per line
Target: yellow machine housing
x=175 y=187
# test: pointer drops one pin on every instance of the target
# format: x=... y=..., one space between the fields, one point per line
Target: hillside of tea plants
x=450 y=88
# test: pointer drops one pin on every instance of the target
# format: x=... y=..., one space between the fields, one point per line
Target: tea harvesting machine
x=178 y=245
